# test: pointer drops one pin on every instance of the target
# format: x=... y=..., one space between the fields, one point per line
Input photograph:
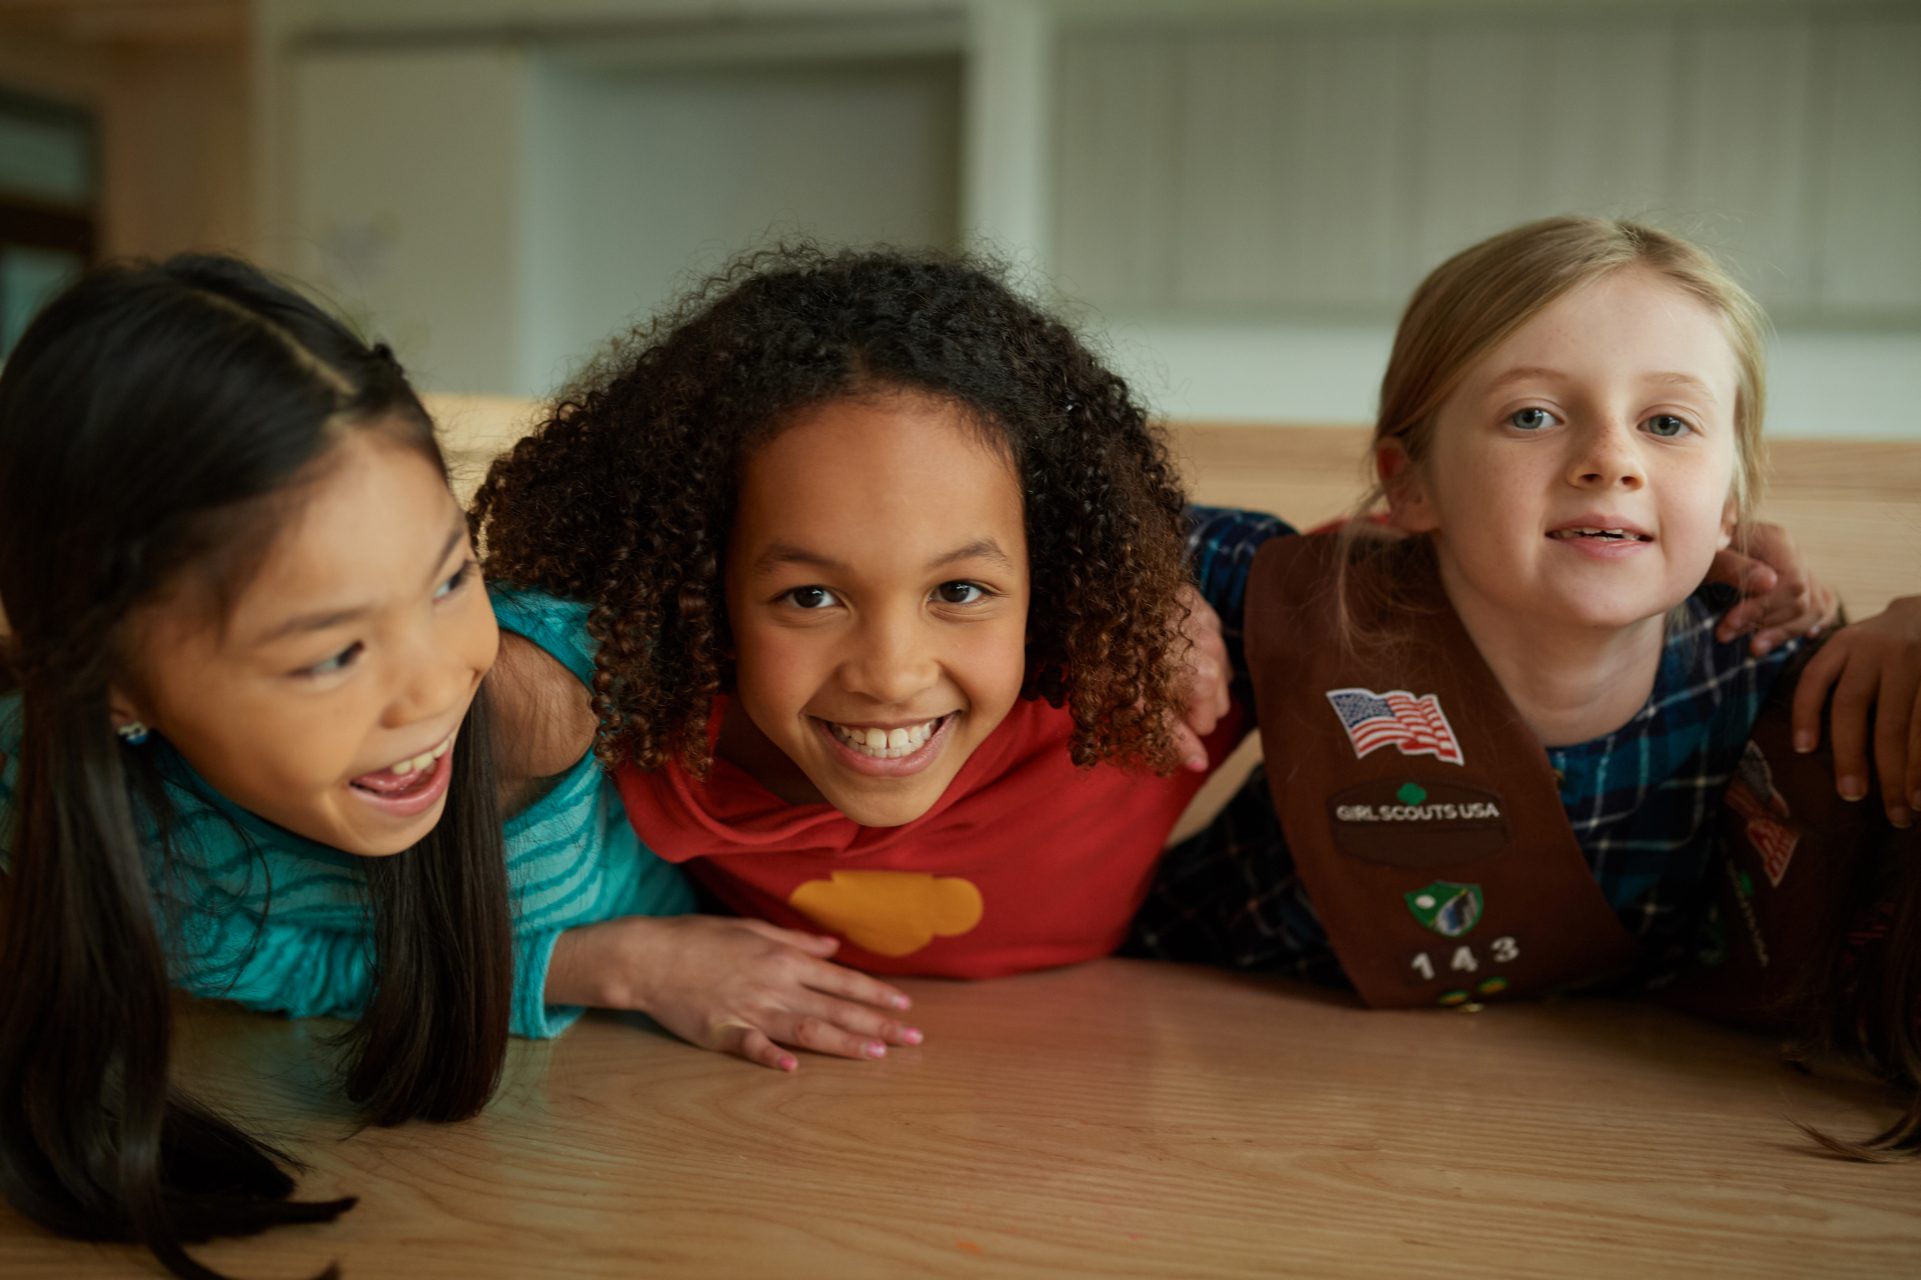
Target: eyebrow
x=1687 y=380
x=1540 y=373
x=780 y=554
x=321 y=619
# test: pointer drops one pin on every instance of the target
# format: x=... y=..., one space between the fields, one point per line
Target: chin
x=386 y=846
x=1621 y=619
x=874 y=811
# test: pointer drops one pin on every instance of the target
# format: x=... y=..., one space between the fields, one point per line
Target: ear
x=121 y=709
x=1408 y=506
x=1730 y=520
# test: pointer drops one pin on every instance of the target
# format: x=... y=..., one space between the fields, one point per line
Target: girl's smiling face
x=327 y=698
x=1581 y=473
x=877 y=590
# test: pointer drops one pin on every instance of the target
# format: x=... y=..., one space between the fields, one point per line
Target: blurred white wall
x=1238 y=194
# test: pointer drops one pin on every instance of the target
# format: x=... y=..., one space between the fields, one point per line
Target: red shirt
x=1025 y=861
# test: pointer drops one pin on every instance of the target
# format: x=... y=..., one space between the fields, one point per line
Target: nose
x=1606 y=456
x=892 y=660
x=430 y=680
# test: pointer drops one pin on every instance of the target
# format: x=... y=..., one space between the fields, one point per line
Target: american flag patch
x=1775 y=843
x=1414 y=726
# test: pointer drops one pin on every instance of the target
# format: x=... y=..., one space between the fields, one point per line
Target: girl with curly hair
x=886 y=575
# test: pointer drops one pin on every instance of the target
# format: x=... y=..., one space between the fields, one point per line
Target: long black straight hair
x=150 y=419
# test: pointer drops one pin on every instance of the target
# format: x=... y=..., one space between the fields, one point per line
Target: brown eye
x=456 y=582
x=810 y=597
x=959 y=592
x=336 y=664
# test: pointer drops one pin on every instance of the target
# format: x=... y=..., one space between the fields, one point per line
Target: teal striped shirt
x=256 y=914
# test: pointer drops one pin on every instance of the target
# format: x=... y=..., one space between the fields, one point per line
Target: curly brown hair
x=624 y=496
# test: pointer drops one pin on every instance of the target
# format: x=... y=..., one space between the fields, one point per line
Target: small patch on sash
x=1764 y=812
x=1447 y=908
x=1414 y=726
x=1743 y=886
x=1424 y=822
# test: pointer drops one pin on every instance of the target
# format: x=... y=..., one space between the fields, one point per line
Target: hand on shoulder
x=1873 y=669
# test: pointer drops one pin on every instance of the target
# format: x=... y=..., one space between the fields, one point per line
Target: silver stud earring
x=133 y=733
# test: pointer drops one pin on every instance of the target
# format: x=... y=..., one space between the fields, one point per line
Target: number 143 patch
x=1463 y=964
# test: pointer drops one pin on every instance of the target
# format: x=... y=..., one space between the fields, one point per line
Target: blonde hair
x=1471 y=303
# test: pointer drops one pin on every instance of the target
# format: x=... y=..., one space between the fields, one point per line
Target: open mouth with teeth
x=408 y=777
x=1599 y=535
x=885 y=744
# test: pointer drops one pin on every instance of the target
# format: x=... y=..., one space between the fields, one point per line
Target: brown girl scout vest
x=1792 y=869
x=1421 y=811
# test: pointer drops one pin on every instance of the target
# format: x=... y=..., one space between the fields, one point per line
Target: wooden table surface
x=1118 y=1119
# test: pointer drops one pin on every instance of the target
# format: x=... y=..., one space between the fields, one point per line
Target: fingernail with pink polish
x=911 y=1035
x=899 y=1002
x=875 y=1049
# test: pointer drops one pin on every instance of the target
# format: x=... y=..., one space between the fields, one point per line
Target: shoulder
x=543 y=716
x=1720 y=683
x=557 y=626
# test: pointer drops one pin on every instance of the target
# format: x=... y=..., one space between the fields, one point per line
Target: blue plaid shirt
x=1641 y=799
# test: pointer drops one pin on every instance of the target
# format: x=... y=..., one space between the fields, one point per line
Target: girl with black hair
x=242 y=613
x=245 y=747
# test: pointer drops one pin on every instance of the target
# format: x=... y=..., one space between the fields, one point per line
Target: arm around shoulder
x=543 y=717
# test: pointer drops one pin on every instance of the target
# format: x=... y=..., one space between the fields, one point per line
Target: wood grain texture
x=1119 y=1119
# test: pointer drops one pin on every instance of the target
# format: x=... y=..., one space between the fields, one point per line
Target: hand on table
x=741 y=986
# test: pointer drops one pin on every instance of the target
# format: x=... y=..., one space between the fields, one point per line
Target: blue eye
x=960 y=592
x=336 y=664
x=810 y=598
x=456 y=582
x=1533 y=418
x=1667 y=426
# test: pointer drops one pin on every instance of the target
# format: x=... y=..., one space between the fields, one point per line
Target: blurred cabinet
x=408 y=167
x=1304 y=205
x=1119 y=167
x=1868 y=172
x=1322 y=165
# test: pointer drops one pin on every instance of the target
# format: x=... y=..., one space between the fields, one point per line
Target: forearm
x=547 y=998
x=1221 y=544
x=299 y=971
